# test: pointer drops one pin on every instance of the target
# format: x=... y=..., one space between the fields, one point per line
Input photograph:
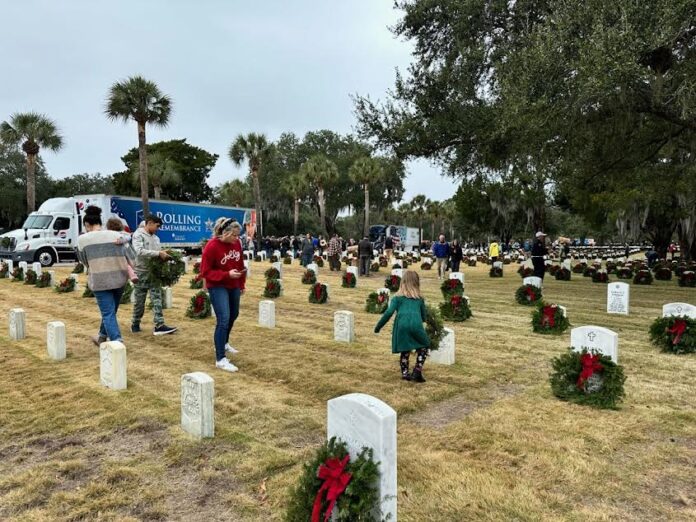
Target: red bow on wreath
x=380 y=298
x=590 y=364
x=335 y=482
x=530 y=293
x=456 y=301
x=394 y=279
x=198 y=305
x=317 y=291
x=677 y=330
x=548 y=316
x=453 y=283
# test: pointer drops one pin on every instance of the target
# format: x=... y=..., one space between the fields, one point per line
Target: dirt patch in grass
x=442 y=414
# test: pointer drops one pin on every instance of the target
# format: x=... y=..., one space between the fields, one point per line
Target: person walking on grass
x=493 y=251
x=146 y=245
x=334 y=253
x=102 y=252
x=408 y=333
x=456 y=255
x=441 y=251
x=223 y=270
x=365 y=256
x=307 y=250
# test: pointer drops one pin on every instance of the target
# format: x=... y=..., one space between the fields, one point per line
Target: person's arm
x=139 y=246
x=386 y=315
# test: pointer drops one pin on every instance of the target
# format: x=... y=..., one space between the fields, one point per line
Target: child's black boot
x=417 y=376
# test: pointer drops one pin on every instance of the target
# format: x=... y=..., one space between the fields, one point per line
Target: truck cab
x=49 y=235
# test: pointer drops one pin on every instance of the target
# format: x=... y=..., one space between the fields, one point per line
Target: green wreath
x=287 y=260
x=79 y=268
x=528 y=294
x=358 y=502
x=525 y=271
x=687 y=279
x=273 y=288
x=374 y=267
x=199 y=306
x=624 y=272
x=663 y=273
x=392 y=283
x=562 y=274
x=4 y=270
x=65 y=286
x=197 y=267
x=196 y=283
x=603 y=388
x=426 y=266
x=450 y=287
x=377 y=302
x=495 y=271
x=88 y=291
x=127 y=293
x=318 y=294
x=549 y=319
x=383 y=262
x=272 y=273
x=674 y=334
x=44 y=281
x=309 y=277
x=30 y=277
x=471 y=262
x=17 y=274
x=434 y=327
x=589 y=271
x=348 y=280
x=319 y=261
x=600 y=277
x=456 y=309
x=167 y=272
x=643 y=277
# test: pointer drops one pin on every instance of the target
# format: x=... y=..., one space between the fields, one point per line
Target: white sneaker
x=226 y=365
x=228 y=348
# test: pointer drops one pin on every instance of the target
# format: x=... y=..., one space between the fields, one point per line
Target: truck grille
x=7 y=244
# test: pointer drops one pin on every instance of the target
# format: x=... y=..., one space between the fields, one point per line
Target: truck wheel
x=46 y=257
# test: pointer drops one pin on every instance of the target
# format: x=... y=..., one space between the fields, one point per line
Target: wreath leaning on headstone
x=309 y=277
x=65 y=286
x=562 y=274
x=44 y=280
x=18 y=274
x=549 y=319
x=663 y=273
x=643 y=277
x=434 y=327
x=318 y=294
x=165 y=272
x=374 y=267
x=348 y=280
x=199 y=306
x=4 y=270
x=392 y=283
x=79 y=268
x=30 y=277
x=674 y=334
x=495 y=271
x=587 y=378
x=273 y=288
x=600 y=276
x=335 y=487
x=528 y=294
x=687 y=279
x=377 y=302
x=196 y=283
x=455 y=308
x=450 y=287
x=272 y=273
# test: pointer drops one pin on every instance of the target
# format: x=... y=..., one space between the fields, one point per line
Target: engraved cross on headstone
x=591 y=336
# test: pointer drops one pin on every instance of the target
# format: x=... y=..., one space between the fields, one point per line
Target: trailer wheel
x=46 y=257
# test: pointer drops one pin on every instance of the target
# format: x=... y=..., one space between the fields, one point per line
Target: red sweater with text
x=218 y=259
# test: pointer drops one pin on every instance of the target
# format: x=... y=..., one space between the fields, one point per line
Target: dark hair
x=152 y=218
x=92 y=216
x=114 y=224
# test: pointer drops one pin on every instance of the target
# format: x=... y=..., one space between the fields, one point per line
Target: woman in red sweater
x=222 y=267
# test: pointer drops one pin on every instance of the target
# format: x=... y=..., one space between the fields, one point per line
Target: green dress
x=408 y=332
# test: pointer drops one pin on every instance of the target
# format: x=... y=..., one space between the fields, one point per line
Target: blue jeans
x=225 y=302
x=108 y=301
x=306 y=259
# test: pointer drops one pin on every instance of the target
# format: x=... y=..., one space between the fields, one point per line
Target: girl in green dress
x=408 y=333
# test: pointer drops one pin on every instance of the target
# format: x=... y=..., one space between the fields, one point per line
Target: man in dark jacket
x=365 y=256
x=307 y=250
x=538 y=254
x=441 y=251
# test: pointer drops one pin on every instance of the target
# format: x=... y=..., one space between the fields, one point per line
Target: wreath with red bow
x=197 y=267
x=377 y=302
x=348 y=280
x=392 y=283
x=309 y=277
x=663 y=273
x=44 y=280
x=17 y=274
x=643 y=277
x=272 y=273
x=525 y=271
x=30 y=277
x=374 y=267
x=66 y=285
x=687 y=279
x=318 y=294
x=675 y=334
x=196 y=283
x=549 y=319
x=273 y=288
x=383 y=261
x=588 y=378
x=600 y=277
x=456 y=308
x=451 y=287
x=199 y=306
x=562 y=274
x=624 y=272
x=589 y=271
x=334 y=486
x=528 y=294
x=579 y=268
x=495 y=271
x=426 y=265
x=319 y=261
x=4 y=270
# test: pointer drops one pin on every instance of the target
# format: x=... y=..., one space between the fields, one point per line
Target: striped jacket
x=106 y=257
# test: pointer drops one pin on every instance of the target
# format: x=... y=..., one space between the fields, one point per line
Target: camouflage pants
x=140 y=294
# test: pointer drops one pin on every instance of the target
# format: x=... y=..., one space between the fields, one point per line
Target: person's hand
x=163 y=255
x=242 y=291
x=235 y=274
x=120 y=241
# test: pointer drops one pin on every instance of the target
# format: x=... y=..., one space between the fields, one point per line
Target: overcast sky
x=230 y=67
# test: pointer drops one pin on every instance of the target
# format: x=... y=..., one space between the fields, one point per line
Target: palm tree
x=139 y=100
x=319 y=171
x=34 y=131
x=255 y=149
x=435 y=212
x=364 y=172
x=296 y=186
x=449 y=213
x=418 y=205
x=161 y=172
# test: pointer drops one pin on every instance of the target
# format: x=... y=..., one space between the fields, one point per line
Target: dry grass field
x=481 y=440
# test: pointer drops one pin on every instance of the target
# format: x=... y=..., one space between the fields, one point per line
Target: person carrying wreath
x=146 y=245
x=222 y=268
x=408 y=333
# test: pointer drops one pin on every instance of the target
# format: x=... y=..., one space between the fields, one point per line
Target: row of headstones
x=36 y=267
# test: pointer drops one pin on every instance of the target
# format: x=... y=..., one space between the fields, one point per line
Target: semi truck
x=49 y=235
x=402 y=237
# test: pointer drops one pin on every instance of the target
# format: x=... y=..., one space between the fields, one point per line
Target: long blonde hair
x=410 y=285
x=224 y=224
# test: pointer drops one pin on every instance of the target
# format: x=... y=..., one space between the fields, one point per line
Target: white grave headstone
x=197 y=404
x=52 y=281
x=344 y=326
x=186 y=264
x=497 y=264
x=113 y=367
x=167 y=297
x=398 y=272
x=267 y=314
x=566 y=264
x=247 y=265
x=595 y=338
x=564 y=310
x=361 y=420
x=679 y=309
x=313 y=267
x=23 y=265
x=532 y=280
x=279 y=267
x=10 y=268
x=383 y=291
x=55 y=340
x=36 y=267
x=457 y=275
x=445 y=353
x=18 y=321
x=353 y=270
x=617 y=298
